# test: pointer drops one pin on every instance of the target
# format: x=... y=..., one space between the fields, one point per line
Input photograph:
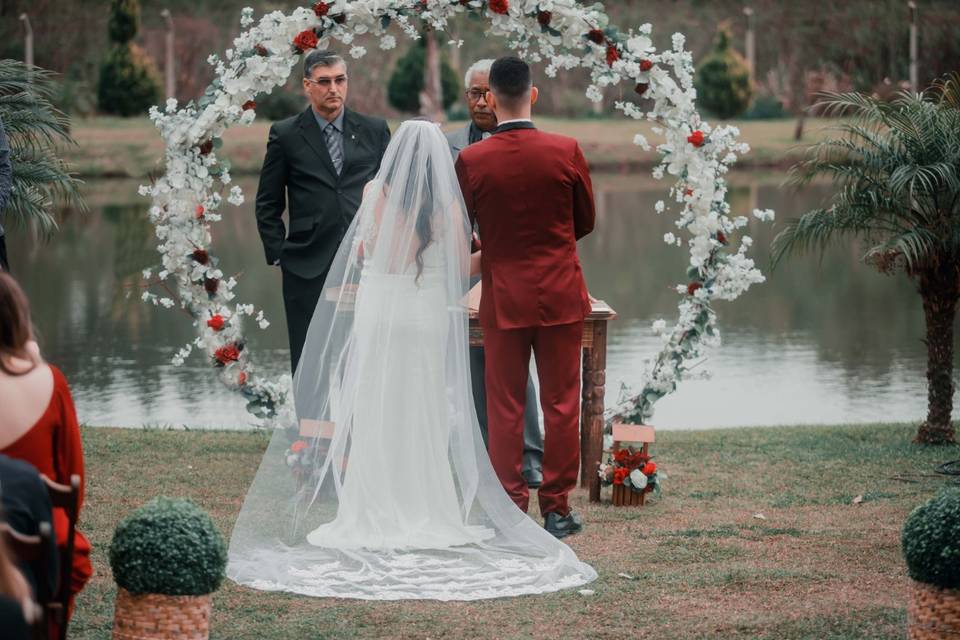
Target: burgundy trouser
x=557 y=353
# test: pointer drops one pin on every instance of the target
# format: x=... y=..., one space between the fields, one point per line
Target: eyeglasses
x=326 y=83
x=474 y=95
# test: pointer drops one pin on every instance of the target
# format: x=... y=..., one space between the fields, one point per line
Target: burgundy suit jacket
x=530 y=194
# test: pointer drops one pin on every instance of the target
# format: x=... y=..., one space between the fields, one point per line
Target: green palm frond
x=35 y=128
x=896 y=168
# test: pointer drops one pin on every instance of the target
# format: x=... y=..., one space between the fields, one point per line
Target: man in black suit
x=320 y=161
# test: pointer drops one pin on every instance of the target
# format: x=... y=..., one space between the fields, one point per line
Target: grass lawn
x=756 y=536
x=118 y=147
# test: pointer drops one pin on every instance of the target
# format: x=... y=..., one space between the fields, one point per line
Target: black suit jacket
x=298 y=175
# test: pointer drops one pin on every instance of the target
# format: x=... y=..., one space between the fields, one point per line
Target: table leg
x=591 y=415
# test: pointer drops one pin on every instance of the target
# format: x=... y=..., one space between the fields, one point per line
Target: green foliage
x=124 y=21
x=280 y=104
x=406 y=82
x=129 y=83
x=897 y=169
x=168 y=546
x=36 y=129
x=723 y=79
x=765 y=107
x=931 y=541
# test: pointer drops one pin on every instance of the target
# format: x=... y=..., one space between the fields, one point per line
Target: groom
x=531 y=196
x=482 y=124
x=319 y=161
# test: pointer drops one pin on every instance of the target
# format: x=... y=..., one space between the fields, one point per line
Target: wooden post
x=169 y=69
x=591 y=419
x=431 y=98
x=914 y=72
x=27 y=39
x=750 y=46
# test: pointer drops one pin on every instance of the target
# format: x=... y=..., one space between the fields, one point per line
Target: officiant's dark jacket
x=299 y=176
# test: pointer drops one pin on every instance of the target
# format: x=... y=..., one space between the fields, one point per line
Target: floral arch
x=564 y=34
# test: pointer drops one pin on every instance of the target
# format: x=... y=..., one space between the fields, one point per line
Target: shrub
x=129 y=82
x=931 y=541
x=723 y=79
x=280 y=104
x=406 y=82
x=170 y=547
x=765 y=107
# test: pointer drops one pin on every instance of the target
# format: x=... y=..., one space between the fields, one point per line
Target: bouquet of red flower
x=632 y=469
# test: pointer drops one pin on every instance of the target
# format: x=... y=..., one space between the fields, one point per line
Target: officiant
x=483 y=123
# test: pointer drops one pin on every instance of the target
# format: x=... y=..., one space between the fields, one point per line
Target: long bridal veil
x=383 y=490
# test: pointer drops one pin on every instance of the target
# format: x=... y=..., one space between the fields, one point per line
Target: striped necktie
x=334 y=146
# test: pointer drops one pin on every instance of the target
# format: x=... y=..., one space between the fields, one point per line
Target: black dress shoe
x=534 y=479
x=562 y=526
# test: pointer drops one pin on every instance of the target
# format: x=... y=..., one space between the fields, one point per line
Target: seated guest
x=38 y=423
x=24 y=504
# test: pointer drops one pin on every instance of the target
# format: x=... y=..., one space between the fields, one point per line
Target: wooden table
x=594 y=379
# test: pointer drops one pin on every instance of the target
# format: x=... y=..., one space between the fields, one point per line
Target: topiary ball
x=168 y=546
x=931 y=541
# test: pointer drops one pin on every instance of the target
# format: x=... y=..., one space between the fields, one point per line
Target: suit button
x=340 y=192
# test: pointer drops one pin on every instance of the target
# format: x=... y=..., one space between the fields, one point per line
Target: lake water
x=822 y=341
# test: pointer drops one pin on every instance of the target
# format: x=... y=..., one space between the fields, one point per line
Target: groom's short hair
x=321 y=58
x=510 y=80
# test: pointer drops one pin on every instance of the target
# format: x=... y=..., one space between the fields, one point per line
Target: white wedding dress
x=390 y=494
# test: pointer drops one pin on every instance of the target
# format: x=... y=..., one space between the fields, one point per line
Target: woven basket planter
x=934 y=613
x=624 y=496
x=152 y=616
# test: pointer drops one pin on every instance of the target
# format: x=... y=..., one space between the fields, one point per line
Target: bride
x=384 y=491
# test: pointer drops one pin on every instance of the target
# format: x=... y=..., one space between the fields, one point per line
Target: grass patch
x=704 y=566
x=110 y=147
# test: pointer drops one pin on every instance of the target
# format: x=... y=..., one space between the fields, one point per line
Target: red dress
x=53 y=446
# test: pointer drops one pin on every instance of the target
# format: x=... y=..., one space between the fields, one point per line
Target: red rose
x=499 y=6
x=621 y=455
x=206 y=147
x=242 y=378
x=201 y=256
x=596 y=36
x=693 y=286
x=619 y=475
x=544 y=17
x=649 y=469
x=199 y=211
x=641 y=88
x=688 y=192
x=612 y=55
x=696 y=138
x=298 y=446
x=646 y=65
x=226 y=354
x=261 y=50
x=249 y=104
x=721 y=237
x=216 y=322
x=305 y=40
x=211 y=285
x=321 y=9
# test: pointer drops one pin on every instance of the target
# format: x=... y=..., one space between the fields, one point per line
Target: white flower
x=659 y=326
x=659 y=207
x=637 y=479
x=236 y=196
x=594 y=94
x=358 y=52
x=765 y=215
x=669 y=238
x=388 y=42
x=641 y=142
